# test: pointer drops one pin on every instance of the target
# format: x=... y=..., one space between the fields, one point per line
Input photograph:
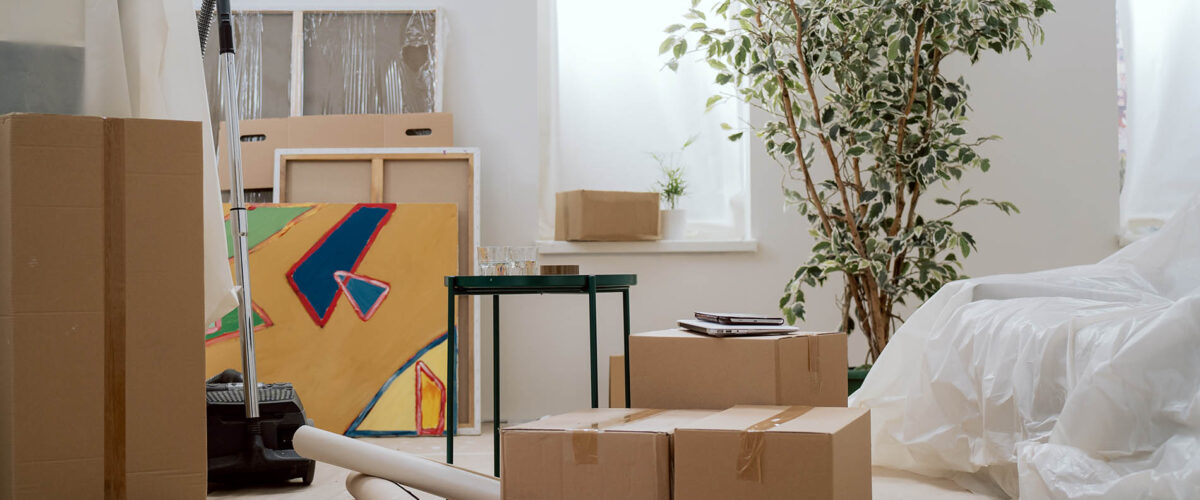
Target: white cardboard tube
x=364 y=487
x=404 y=468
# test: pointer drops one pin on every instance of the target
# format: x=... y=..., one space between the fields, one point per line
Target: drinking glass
x=522 y=261
x=493 y=261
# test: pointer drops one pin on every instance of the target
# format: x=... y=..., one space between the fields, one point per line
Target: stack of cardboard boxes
x=712 y=418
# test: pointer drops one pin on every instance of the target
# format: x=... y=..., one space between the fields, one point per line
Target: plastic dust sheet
x=369 y=62
x=353 y=62
x=1081 y=382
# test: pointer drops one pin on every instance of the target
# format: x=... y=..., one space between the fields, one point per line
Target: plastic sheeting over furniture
x=1081 y=382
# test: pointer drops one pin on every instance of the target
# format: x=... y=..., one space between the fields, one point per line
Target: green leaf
x=964 y=247
x=666 y=45
x=673 y=28
x=856 y=151
x=943 y=201
x=725 y=126
x=723 y=78
x=735 y=137
x=681 y=48
x=827 y=115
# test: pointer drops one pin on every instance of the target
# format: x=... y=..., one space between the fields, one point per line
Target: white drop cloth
x=1081 y=382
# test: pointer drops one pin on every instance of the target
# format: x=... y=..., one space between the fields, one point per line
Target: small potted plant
x=671 y=187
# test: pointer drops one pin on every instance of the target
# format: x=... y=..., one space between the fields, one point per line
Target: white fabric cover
x=1081 y=382
x=141 y=60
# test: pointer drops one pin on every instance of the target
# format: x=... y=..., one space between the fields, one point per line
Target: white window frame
x=547 y=109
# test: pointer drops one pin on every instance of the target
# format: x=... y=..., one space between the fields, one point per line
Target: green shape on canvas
x=229 y=324
x=264 y=222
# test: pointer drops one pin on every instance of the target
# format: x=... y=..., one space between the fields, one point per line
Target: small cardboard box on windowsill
x=585 y=215
x=596 y=453
x=681 y=369
x=767 y=452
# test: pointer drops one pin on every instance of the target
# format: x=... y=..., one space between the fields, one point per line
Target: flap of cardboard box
x=615 y=420
x=798 y=419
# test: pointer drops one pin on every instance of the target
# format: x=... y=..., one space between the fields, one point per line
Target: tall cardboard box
x=260 y=138
x=680 y=369
x=616 y=381
x=101 y=309
x=606 y=216
x=770 y=452
x=592 y=454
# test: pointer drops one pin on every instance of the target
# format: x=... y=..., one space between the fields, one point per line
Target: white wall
x=1058 y=162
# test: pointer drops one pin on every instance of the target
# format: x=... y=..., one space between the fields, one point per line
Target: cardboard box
x=260 y=138
x=101 y=309
x=592 y=454
x=769 y=452
x=606 y=216
x=681 y=369
x=616 y=381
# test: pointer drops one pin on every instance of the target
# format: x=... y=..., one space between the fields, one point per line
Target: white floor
x=475 y=453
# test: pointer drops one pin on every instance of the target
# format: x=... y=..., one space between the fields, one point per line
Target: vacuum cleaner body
x=255 y=451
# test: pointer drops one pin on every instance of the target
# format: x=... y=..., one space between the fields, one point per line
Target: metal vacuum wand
x=237 y=208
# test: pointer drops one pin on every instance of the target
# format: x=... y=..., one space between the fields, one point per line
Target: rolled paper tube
x=404 y=468
x=364 y=487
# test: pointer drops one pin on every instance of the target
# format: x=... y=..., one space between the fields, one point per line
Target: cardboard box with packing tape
x=597 y=453
x=681 y=369
x=767 y=452
x=101 y=308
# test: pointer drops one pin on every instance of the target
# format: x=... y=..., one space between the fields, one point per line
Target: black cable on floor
x=411 y=494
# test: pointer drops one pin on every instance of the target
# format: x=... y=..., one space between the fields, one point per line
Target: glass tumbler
x=523 y=261
x=493 y=261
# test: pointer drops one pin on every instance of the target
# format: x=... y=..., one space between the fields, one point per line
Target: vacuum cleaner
x=250 y=425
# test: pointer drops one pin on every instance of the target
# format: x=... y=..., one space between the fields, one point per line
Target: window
x=612 y=105
x=1159 y=81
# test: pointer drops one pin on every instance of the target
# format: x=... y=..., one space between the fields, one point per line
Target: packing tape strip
x=585 y=442
x=752 y=442
x=814 y=363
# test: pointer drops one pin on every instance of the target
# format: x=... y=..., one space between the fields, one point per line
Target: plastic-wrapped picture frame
x=363 y=97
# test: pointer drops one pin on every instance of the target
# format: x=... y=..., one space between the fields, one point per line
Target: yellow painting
x=349 y=306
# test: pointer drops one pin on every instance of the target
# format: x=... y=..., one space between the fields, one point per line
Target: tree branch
x=902 y=128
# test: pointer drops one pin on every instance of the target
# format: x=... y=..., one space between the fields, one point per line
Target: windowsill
x=634 y=247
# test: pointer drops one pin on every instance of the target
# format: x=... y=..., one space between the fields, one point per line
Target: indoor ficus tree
x=859 y=85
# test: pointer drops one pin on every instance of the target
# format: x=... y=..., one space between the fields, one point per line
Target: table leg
x=451 y=375
x=591 y=284
x=625 y=307
x=496 y=383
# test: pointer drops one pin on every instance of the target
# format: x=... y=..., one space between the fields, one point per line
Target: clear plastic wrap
x=1076 y=383
x=352 y=62
x=263 y=53
x=370 y=62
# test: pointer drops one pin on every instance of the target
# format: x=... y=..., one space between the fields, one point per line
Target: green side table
x=524 y=285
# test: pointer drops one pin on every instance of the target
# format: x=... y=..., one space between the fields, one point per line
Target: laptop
x=719 y=330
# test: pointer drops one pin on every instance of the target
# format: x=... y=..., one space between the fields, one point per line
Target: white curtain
x=1161 y=39
x=141 y=60
x=613 y=104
